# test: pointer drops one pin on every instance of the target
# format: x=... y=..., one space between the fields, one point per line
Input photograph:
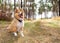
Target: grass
x=52 y=24
x=35 y=32
x=3 y=24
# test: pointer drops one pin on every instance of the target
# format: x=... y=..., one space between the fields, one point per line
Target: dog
x=17 y=24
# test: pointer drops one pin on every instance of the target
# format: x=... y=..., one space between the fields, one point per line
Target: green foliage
x=41 y=9
x=43 y=5
x=0 y=1
x=49 y=8
x=33 y=7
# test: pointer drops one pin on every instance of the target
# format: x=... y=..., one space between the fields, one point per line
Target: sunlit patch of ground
x=51 y=23
x=37 y=31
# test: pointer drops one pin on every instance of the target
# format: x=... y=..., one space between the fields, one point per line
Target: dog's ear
x=17 y=10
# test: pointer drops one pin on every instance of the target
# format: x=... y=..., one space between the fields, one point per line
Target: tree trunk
x=55 y=7
x=21 y=3
x=14 y=4
x=59 y=8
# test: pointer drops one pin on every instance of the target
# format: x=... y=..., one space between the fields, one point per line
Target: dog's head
x=19 y=13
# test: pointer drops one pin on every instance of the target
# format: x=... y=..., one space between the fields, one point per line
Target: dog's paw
x=22 y=33
x=15 y=34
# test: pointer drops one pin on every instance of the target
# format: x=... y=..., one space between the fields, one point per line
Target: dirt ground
x=37 y=32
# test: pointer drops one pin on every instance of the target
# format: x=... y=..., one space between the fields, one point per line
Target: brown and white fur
x=15 y=25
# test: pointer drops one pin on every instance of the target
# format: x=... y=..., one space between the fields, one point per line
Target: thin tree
x=14 y=4
x=55 y=4
x=33 y=9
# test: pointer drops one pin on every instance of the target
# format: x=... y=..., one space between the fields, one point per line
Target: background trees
x=30 y=6
x=55 y=4
x=30 y=9
x=5 y=9
x=45 y=6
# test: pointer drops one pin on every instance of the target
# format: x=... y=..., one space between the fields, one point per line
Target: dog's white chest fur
x=20 y=24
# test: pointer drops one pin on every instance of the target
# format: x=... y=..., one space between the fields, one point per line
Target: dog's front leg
x=21 y=32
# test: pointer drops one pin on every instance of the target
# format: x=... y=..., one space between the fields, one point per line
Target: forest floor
x=37 y=31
